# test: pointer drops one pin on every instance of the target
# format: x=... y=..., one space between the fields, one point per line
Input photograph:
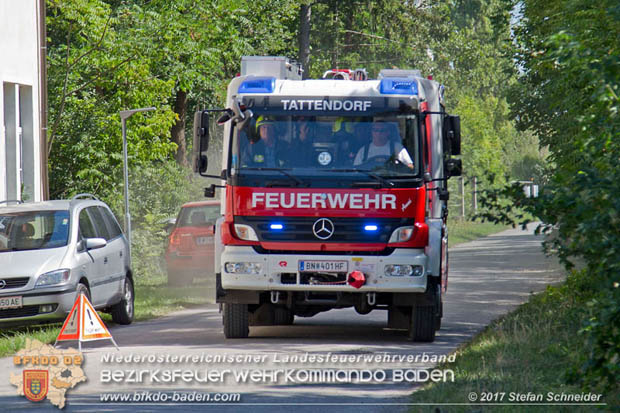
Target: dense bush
x=568 y=95
x=156 y=192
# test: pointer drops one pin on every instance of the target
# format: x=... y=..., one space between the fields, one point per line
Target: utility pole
x=475 y=195
x=462 y=179
x=305 y=13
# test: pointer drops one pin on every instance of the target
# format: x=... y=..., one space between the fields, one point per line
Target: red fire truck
x=334 y=195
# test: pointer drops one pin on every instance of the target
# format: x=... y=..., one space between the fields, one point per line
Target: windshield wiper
x=384 y=182
x=298 y=182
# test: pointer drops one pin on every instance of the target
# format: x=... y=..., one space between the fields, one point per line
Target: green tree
x=568 y=94
x=374 y=34
x=464 y=44
x=92 y=76
x=198 y=47
x=106 y=56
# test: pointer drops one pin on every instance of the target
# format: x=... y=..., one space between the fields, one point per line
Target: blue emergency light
x=371 y=228
x=398 y=86
x=276 y=227
x=258 y=85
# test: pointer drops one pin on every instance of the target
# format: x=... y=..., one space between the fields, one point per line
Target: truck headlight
x=401 y=234
x=53 y=278
x=245 y=232
x=252 y=268
x=404 y=270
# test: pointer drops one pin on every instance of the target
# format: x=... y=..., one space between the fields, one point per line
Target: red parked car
x=190 y=248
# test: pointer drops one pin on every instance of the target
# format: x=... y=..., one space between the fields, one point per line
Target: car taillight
x=175 y=239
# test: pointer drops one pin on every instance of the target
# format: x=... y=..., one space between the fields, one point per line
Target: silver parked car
x=52 y=251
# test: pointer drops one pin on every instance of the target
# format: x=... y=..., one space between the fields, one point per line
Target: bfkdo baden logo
x=35 y=384
x=47 y=372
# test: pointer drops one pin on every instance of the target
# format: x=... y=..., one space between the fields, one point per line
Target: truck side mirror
x=201 y=141
x=453 y=167
x=228 y=114
x=210 y=191
x=452 y=134
x=444 y=194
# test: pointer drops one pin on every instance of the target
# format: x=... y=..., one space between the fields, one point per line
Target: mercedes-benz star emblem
x=323 y=228
x=2 y=284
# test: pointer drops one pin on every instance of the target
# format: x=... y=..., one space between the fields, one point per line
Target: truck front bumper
x=279 y=272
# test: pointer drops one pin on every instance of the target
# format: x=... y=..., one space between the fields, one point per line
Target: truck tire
x=236 y=320
x=438 y=317
x=422 y=327
x=283 y=316
x=438 y=308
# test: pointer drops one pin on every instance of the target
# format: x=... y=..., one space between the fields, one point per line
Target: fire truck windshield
x=310 y=146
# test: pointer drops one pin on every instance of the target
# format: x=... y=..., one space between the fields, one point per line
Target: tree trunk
x=304 y=37
x=177 y=132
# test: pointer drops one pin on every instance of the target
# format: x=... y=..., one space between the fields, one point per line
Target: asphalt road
x=488 y=278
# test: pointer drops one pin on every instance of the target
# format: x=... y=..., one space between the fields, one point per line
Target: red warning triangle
x=92 y=325
x=71 y=328
x=83 y=324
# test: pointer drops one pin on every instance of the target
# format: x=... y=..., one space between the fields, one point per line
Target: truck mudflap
x=403 y=271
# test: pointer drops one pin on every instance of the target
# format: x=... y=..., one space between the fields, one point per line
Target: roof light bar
x=398 y=86
x=258 y=85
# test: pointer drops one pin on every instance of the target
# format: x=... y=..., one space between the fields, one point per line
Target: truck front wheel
x=423 y=322
x=236 y=320
x=438 y=308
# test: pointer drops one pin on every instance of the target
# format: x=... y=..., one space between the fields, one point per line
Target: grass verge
x=153 y=299
x=532 y=349
x=460 y=231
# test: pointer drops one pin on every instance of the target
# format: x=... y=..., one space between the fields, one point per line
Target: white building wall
x=20 y=166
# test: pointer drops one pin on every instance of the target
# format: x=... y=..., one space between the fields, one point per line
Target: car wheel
x=122 y=312
x=82 y=289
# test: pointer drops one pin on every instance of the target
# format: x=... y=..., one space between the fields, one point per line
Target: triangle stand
x=84 y=324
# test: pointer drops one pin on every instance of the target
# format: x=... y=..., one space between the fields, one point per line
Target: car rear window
x=33 y=230
x=87 y=229
x=99 y=222
x=198 y=216
x=113 y=227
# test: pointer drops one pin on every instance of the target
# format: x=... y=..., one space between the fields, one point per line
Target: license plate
x=323 y=266
x=10 y=302
x=202 y=240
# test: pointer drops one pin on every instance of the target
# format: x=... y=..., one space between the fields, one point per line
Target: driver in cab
x=381 y=149
x=264 y=149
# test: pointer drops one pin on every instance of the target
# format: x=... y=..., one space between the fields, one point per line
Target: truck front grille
x=346 y=230
x=312 y=278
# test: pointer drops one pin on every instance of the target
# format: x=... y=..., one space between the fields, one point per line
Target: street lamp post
x=125 y=114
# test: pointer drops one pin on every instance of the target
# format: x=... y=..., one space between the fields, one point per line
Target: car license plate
x=202 y=240
x=10 y=302
x=323 y=266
